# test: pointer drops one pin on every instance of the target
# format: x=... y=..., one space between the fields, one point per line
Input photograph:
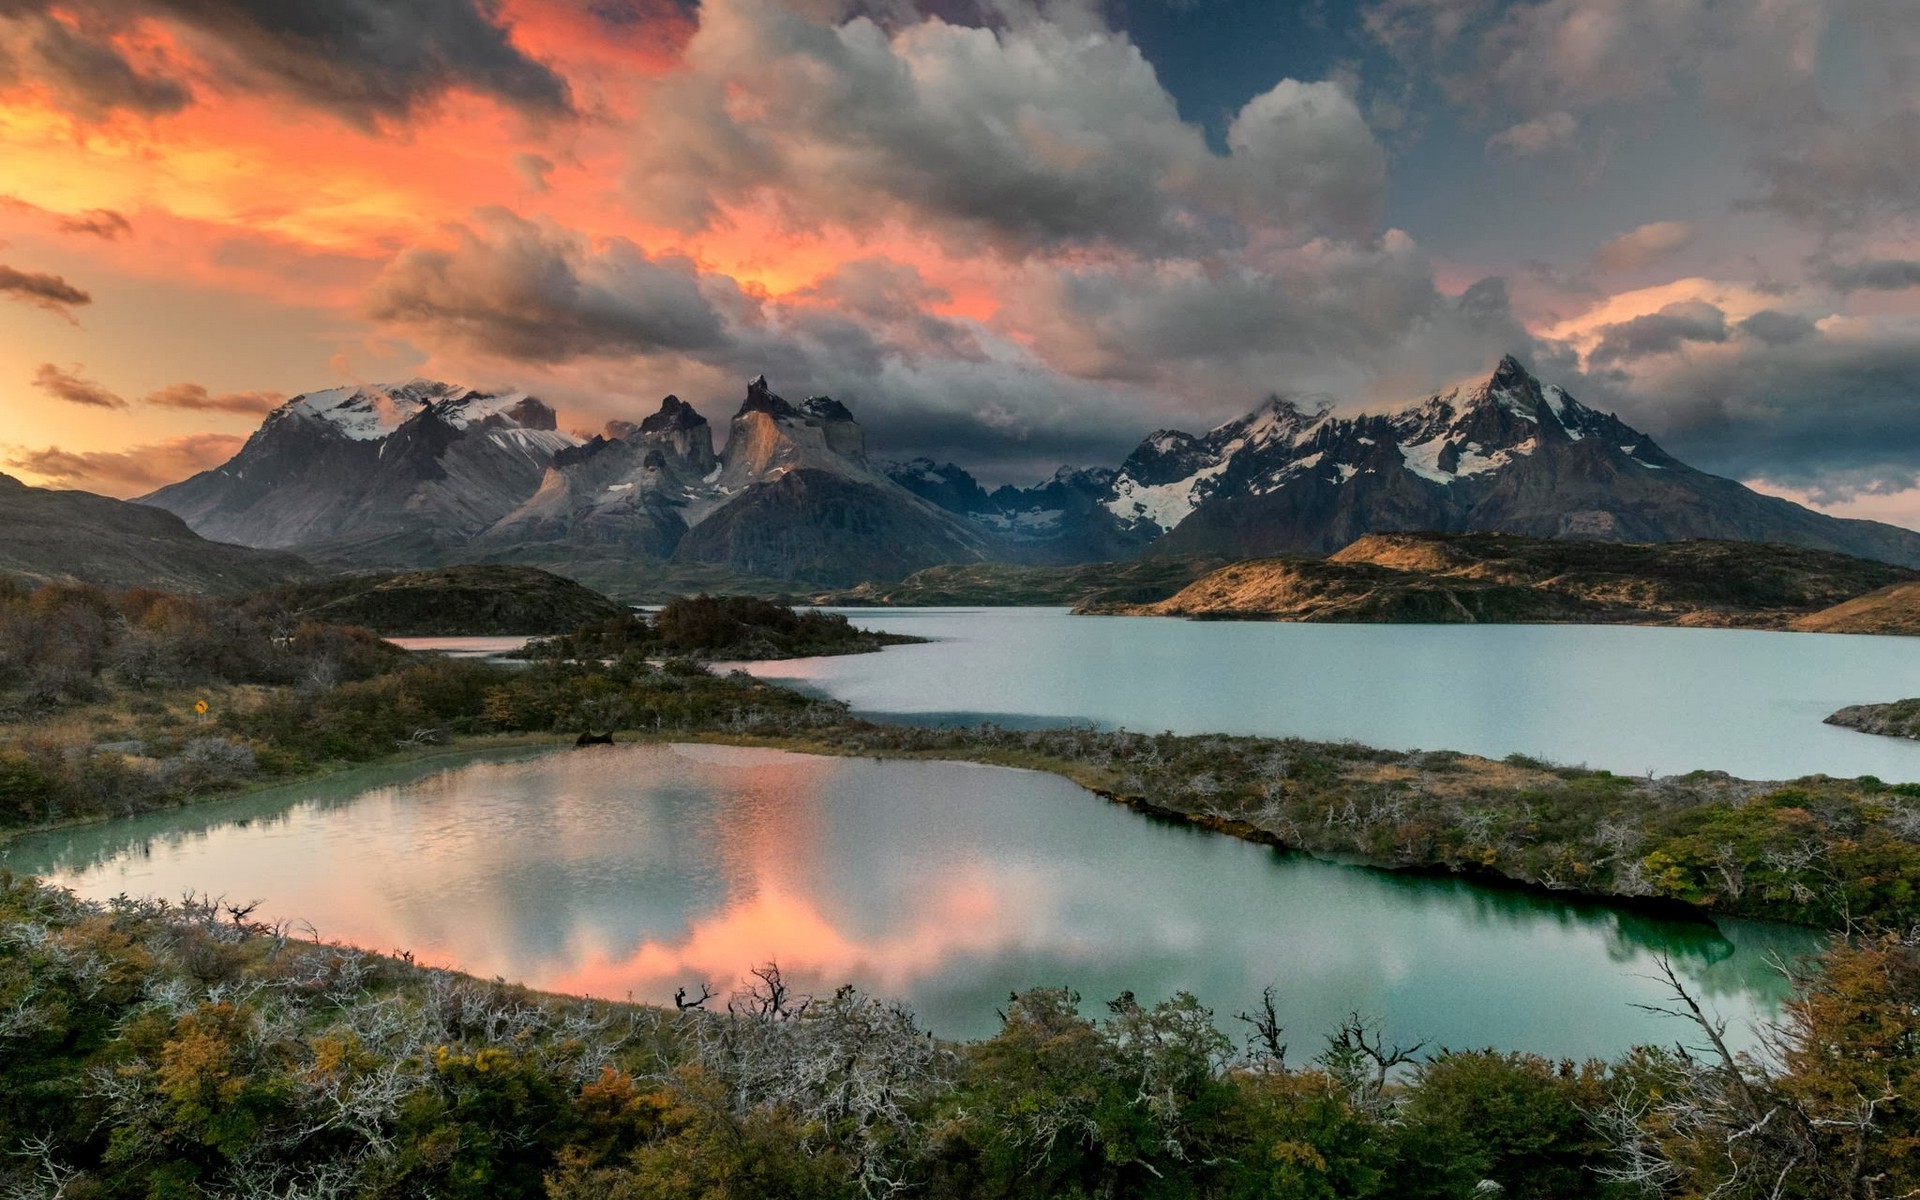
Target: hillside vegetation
x=160 y=1050
x=446 y=602
x=1891 y=609
x=1002 y=584
x=1492 y=577
x=718 y=629
x=50 y=536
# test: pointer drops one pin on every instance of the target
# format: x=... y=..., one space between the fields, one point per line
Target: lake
x=1627 y=698
x=635 y=869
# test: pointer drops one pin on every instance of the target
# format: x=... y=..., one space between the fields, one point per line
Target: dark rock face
x=48 y=535
x=675 y=414
x=941 y=484
x=662 y=494
x=761 y=399
x=817 y=525
x=825 y=408
x=1059 y=522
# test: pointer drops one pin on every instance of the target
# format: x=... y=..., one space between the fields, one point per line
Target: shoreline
x=1467 y=774
x=1669 y=908
x=451 y=749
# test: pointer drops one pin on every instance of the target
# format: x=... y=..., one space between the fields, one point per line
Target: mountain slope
x=48 y=536
x=791 y=498
x=1061 y=521
x=1493 y=577
x=395 y=474
x=1508 y=454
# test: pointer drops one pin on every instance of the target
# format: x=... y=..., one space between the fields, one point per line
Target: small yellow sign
x=200 y=706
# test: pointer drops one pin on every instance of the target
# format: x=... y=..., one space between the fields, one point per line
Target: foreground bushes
x=154 y=1050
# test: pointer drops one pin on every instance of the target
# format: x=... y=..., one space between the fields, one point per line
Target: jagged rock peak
x=1511 y=384
x=674 y=414
x=825 y=408
x=761 y=398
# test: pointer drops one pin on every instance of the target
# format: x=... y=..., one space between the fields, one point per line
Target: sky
x=1009 y=233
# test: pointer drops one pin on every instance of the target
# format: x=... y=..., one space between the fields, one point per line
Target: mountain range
x=426 y=473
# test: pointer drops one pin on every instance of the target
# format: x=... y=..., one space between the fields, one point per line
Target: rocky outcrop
x=1899 y=719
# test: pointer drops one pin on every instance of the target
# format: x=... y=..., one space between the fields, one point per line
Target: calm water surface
x=631 y=870
x=1626 y=698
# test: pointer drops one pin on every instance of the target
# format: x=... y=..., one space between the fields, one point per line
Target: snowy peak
x=1470 y=432
x=375 y=411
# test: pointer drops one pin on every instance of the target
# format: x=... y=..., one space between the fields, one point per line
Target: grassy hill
x=51 y=536
x=1494 y=578
x=448 y=601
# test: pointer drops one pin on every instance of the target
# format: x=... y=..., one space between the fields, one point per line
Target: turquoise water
x=1627 y=698
x=633 y=870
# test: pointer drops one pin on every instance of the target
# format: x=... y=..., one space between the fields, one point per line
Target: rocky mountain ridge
x=426 y=473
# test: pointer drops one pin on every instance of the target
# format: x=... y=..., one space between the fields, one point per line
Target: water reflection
x=634 y=870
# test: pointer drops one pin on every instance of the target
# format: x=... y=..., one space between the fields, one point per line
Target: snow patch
x=1165 y=504
x=1424 y=460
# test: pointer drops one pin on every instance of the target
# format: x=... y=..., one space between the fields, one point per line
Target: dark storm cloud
x=1660 y=333
x=1777 y=328
x=41 y=290
x=364 y=60
x=367 y=59
x=1880 y=275
x=79 y=62
x=1829 y=416
x=518 y=289
x=70 y=387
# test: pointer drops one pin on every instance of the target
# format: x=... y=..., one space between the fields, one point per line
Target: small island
x=717 y=629
x=1900 y=719
x=464 y=601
